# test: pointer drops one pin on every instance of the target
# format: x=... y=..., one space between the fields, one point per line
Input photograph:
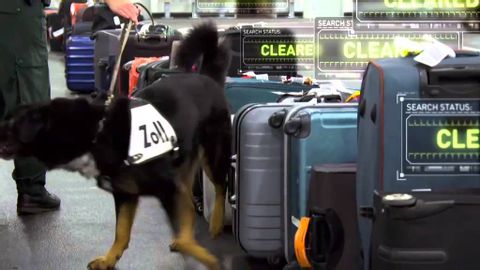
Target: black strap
x=326 y=239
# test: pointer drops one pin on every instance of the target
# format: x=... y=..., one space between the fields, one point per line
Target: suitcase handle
x=326 y=239
x=451 y=82
x=298 y=126
x=413 y=208
x=466 y=53
x=277 y=118
x=232 y=182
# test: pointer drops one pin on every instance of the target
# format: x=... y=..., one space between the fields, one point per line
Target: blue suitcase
x=314 y=134
x=242 y=91
x=79 y=64
x=417 y=130
x=262 y=185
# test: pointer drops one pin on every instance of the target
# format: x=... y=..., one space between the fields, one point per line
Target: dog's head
x=54 y=132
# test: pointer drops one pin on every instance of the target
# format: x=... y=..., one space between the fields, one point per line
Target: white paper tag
x=250 y=74
x=295 y=221
x=116 y=20
x=434 y=53
x=151 y=135
x=262 y=77
x=59 y=32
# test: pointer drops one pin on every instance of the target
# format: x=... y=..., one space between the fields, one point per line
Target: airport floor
x=84 y=226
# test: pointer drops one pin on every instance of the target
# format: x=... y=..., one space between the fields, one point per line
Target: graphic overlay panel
x=390 y=11
x=440 y=137
x=242 y=6
x=346 y=50
x=277 y=49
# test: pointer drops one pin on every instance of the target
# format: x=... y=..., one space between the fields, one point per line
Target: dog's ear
x=30 y=124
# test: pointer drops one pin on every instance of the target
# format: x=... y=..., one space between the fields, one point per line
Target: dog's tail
x=202 y=46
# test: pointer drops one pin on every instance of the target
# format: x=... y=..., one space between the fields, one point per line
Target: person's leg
x=24 y=79
x=33 y=85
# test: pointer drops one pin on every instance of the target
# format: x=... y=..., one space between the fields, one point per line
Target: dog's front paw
x=102 y=263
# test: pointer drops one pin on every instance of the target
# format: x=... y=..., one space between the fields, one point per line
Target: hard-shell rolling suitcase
x=256 y=186
x=417 y=129
x=79 y=64
x=240 y=92
x=426 y=230
x=324 y=133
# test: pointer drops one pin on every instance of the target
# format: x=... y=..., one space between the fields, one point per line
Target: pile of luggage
x=322 y=183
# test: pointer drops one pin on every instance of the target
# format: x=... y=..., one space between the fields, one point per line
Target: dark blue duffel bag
x=418 y=130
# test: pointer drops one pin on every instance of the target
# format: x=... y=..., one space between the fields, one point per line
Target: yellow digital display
x=287 y=50
x=453 y=139
x=371 y=50
x=431 y=4
x=242 y=6
x=339 y=50
x=441 y=134
x=416 y=11
x=276 y=49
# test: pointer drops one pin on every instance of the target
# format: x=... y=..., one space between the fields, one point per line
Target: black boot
x=33 y=198
x=36 y=203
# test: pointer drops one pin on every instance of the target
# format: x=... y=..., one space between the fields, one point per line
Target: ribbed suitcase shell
x=258 y=225
x=79 y=64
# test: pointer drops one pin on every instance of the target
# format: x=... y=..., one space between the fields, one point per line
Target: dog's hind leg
x=185 y=221
x=216 y=162
x=125 y=208
x=218 y=213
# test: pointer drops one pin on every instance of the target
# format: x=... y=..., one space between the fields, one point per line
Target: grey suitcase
x=257 y=187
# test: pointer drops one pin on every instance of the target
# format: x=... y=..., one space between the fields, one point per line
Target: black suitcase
x=332 y=188
x=426 y=231
x=55 y=27
x=232 y=35
x=151 y=72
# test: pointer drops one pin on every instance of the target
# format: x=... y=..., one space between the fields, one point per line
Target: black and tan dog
x=76 y=135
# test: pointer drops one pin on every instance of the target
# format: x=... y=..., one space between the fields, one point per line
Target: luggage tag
x=434 y=53
x=151 y=135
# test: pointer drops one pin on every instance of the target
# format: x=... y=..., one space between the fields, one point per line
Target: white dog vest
x=151 y=135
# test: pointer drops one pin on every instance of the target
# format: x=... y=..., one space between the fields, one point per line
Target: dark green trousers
x=24 y=76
